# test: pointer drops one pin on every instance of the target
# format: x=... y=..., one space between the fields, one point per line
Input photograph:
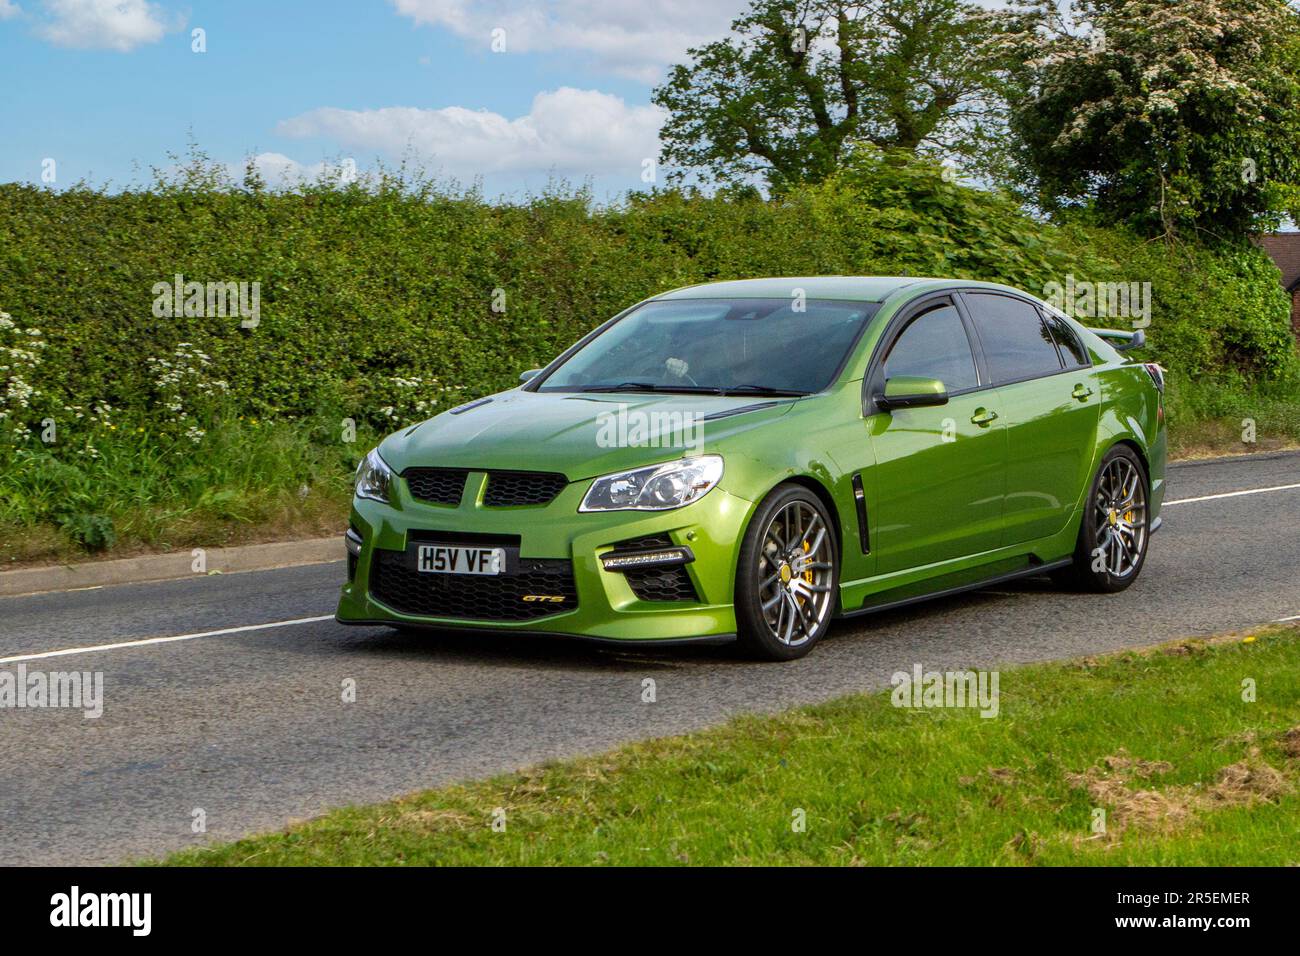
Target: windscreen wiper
x=760 y=390
x=697 y=389
x=652 y=387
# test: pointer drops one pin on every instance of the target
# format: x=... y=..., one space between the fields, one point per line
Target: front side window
x=1017 y=344
x=782 y=346
x=934 y=345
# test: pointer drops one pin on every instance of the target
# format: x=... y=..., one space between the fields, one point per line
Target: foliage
x=1171 y=116
x=245 y=482
x=93 y=532
x=799 y=83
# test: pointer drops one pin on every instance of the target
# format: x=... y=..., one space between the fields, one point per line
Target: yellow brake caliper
x=807 y=575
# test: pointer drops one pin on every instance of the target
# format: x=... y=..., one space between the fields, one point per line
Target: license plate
x=448 y=559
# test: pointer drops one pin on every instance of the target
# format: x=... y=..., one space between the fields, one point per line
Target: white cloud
x=573 y=132
x=9 y=9
x=120 y=25
x=278 y=170
x=635 y=39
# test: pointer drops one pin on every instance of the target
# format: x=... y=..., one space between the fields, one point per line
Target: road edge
x=171 y=565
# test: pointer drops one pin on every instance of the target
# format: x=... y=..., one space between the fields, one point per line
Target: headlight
x=373 y=477
x=657 y=488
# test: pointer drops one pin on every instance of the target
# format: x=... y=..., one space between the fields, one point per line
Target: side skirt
x=1026 y=572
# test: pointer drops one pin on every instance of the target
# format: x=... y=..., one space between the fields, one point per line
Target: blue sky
x=107 y=88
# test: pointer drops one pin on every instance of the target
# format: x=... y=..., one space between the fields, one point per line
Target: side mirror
x=910 y=391
x=529 y=375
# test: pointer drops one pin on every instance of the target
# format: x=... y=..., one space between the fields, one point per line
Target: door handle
x=1082 y=392
x=983 y=417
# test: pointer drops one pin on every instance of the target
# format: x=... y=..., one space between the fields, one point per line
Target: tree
x=1177 y=116
x=799 y=82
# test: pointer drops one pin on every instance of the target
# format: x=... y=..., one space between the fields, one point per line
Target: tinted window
x=1016 y=342
x=1071 y=348
x=934 y=345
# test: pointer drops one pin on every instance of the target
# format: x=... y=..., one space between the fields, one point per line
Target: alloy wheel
x=795 y=572
x=1120 y=518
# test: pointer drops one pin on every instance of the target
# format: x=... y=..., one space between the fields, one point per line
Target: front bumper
x=606 y=606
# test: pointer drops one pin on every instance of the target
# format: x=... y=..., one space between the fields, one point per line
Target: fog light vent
x=655 y=568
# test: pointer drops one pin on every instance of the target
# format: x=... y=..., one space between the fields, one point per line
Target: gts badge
x=547 y=598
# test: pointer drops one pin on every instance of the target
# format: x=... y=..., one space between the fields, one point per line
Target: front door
x=939 y=469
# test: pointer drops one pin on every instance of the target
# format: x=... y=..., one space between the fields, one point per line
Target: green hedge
x=377 y=299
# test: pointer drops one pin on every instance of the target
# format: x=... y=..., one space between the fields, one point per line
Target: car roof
x=853 y=288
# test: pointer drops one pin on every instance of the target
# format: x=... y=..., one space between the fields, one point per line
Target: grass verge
x=1185 y=770
x=1224 y=415
x=132 y=492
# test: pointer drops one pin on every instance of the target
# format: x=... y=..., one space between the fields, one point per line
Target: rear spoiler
x=1121 y=340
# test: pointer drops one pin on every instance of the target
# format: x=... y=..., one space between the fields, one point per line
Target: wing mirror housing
x=529 y=375
x=911 y=391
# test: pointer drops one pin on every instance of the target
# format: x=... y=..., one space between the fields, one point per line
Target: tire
x=789 y=561
x=1115 y=530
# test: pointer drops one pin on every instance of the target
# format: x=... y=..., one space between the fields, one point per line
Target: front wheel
x=1112 y=544
x=787 y=576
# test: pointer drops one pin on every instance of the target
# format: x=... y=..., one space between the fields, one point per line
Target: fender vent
x=860 y=503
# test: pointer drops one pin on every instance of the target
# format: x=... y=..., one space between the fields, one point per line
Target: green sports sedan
x=749 y=460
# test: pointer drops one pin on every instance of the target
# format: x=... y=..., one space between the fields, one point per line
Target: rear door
x=939 y=470
x=1050 y=403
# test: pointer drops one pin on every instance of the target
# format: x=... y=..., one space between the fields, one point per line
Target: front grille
x=445 y=486
x=505 y=488
x=442 y=486
x=657 y=584
x=474 y=597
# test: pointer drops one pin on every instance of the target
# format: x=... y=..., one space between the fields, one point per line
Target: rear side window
x=1016 y=341
x=934 y=345
x=1072 y=350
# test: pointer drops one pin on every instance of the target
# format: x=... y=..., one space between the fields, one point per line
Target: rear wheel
x=1112 y=544
x=787 y=576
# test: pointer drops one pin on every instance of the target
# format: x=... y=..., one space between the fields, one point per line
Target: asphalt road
x=250 y=727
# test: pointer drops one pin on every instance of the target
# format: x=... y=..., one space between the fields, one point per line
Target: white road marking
x=97 y=648
x=1283 y=620
x=1233 y=494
